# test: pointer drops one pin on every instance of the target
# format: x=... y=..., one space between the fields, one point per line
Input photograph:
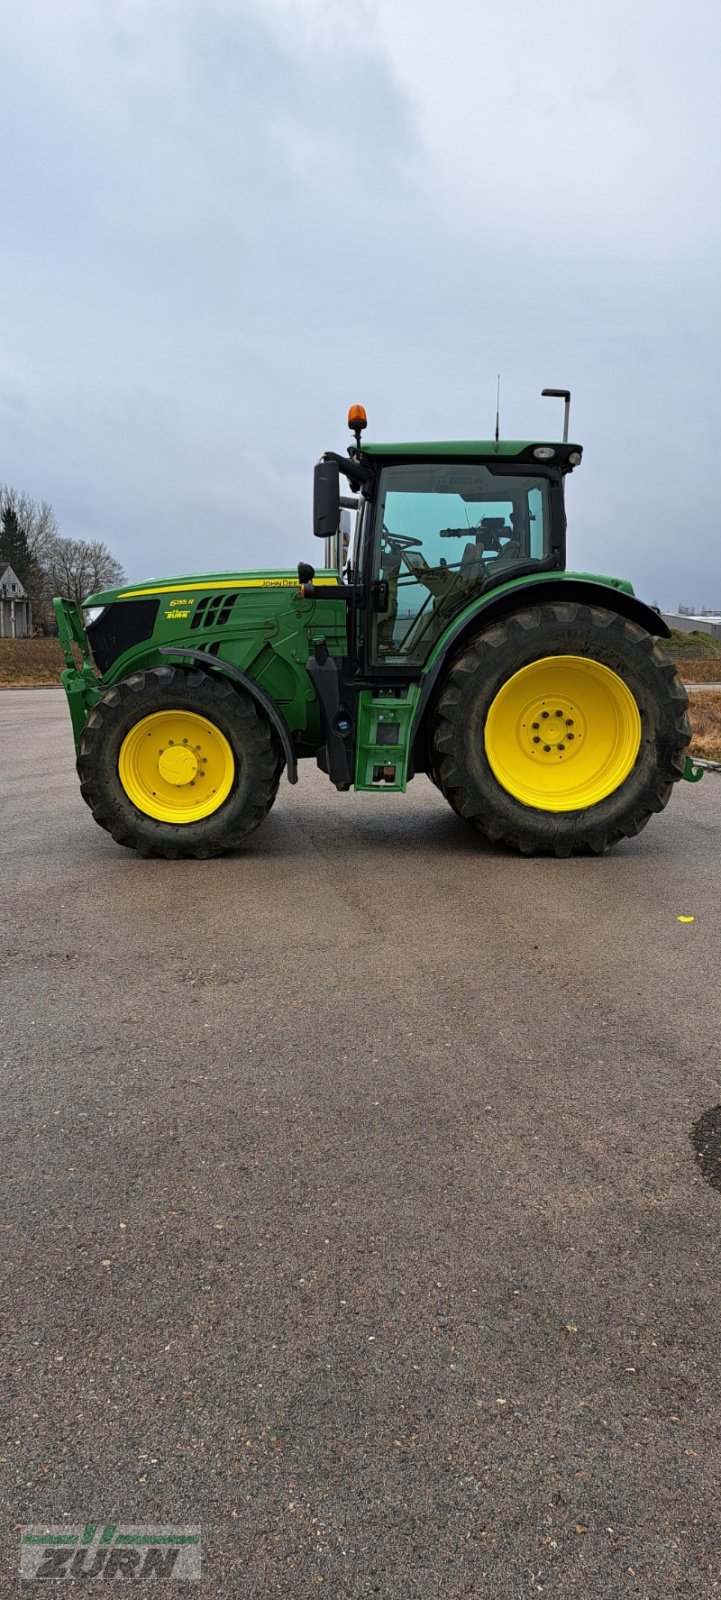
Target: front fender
x=227 y=670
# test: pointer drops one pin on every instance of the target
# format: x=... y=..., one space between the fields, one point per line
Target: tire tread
x=149 y=691
x=485 y=804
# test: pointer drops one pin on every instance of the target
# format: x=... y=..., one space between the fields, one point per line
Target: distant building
x=685 y=624
x=15 y=610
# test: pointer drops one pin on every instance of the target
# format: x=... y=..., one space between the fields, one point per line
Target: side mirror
x=326 y=500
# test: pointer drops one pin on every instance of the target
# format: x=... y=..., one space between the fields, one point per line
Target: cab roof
x=520 y=450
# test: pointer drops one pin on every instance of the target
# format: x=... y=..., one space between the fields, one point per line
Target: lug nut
x=560 y=746
x=569 y=722
x=535 y=724
x=547 y=749
x=545 y=713
x=536 y=739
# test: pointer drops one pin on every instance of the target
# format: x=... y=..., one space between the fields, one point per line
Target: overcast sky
x=226 y=220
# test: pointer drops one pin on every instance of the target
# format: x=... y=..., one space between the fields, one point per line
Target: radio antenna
x=498 y=410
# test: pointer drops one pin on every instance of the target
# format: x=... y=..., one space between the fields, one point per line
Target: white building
x=15 y=609
x=684 y=624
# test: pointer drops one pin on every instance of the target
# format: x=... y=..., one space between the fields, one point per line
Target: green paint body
x=270 y=637
x=271 y=629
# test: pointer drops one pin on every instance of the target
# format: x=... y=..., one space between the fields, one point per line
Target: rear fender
x=492 y=607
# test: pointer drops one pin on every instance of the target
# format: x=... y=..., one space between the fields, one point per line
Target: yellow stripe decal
x=228 y=583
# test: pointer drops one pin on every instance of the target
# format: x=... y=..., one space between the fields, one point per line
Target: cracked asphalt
x=349 y=1206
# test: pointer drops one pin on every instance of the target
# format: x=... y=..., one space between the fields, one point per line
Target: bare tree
x=77 y=568
x=36 y=518
x=53 y=565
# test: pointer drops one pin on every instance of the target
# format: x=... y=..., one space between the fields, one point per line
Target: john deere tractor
x=442 y=635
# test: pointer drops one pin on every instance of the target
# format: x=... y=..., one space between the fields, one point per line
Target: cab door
x=444 y=533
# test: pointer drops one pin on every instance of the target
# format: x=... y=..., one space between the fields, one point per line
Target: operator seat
x=472 y=569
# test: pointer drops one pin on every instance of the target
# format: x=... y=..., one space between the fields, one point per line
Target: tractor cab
x=437 y=526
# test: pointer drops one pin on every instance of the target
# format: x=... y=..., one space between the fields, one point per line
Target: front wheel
x=178 y=763
x=560 y=728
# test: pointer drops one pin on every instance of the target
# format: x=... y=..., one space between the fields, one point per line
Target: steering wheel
x=401 y=540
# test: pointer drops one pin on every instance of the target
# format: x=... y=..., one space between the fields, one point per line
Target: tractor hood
x=117 y=621
x=267 y=579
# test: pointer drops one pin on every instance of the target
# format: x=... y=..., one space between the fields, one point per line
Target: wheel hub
x=178 y=765
x=552 y=729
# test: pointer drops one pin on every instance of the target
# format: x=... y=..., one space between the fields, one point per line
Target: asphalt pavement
x=349 y=1204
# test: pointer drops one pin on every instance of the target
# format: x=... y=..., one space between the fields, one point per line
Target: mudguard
x=539 y=590
x=227 y=670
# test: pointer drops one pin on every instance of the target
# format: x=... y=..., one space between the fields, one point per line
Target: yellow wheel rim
x=562 y=733
x=176 y=766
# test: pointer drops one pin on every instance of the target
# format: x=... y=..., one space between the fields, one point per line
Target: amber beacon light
x=357 y=420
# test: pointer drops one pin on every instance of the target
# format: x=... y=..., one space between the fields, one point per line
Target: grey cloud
x=223 y=224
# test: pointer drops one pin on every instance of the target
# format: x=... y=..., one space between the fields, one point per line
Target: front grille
x=123 y=624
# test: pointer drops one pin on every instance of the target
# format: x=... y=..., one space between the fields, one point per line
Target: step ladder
x=385 y=719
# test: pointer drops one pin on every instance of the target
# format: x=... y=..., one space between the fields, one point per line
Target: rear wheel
x=561 y=728
x=177 y=763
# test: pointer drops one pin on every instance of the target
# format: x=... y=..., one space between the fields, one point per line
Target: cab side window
x=444 y=532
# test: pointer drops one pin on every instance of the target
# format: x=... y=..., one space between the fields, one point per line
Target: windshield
x=442 y=532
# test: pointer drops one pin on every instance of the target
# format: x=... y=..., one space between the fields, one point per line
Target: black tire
x=258 y=762
x=471 y=683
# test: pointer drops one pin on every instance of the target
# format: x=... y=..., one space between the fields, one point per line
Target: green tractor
x=443 y=635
